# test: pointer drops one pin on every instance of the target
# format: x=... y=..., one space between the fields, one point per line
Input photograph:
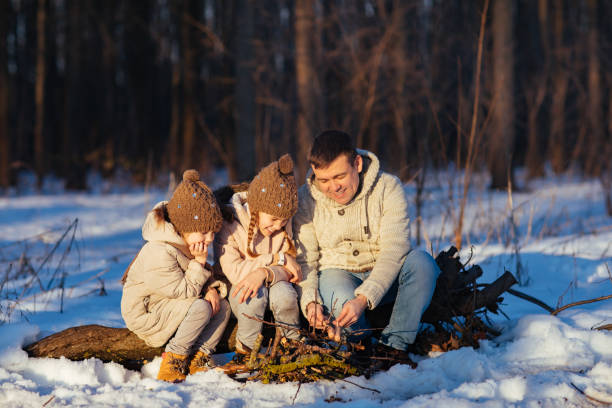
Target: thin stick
x=582 y=302
x=588 y=396
x=48 y=401
x=360 y=386
x=296 y=393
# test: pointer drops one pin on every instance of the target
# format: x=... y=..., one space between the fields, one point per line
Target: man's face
x=340 y=180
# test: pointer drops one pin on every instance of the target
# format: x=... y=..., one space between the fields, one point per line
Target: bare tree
x=39 y=98
x=5 y=147
x=245 y=90
x=189 y=73
x=501 y=142
x=557 y=139
x=594 y=111
x=306 y=81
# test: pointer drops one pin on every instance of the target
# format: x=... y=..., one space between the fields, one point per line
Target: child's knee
x=284 y=301
x=201 y=307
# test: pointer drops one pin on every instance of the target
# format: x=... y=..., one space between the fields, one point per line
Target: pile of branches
x=314 y=357
x=455 y=318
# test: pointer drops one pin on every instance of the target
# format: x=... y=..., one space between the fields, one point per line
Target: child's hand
x=294 y=269
x=212 y=296
x=200 y=251
x=250 y=284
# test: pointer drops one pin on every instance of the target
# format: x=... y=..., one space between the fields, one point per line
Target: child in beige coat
x=257 y=254
x=170 y=295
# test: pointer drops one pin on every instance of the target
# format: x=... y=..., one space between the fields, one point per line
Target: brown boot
x=173 y=367
x=242 y=349
x=200 y=362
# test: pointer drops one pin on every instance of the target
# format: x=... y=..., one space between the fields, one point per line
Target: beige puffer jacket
x=162 y=283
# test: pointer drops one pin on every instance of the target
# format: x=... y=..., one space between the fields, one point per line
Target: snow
x=556 y=231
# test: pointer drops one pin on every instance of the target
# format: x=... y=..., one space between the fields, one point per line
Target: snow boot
x=200 y=362
x=173 y=367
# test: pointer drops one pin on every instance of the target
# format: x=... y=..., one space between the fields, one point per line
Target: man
x=353 y=245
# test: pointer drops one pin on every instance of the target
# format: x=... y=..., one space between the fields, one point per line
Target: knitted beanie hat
x=273 y=190
x=193 y=207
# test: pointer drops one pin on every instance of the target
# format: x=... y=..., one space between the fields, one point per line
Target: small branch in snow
x=531 y=299
x=48 y=401
x=588 y=396
x=582 y=302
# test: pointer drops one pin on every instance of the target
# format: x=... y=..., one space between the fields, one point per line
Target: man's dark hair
x=329 y=145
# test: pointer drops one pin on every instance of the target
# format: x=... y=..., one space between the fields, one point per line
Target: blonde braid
x=250 y=235
x=292 y=251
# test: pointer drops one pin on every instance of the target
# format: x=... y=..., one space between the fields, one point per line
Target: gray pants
x=283 y=303
x=200 y=330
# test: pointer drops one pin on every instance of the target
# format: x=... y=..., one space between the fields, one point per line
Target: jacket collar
x=162 y=232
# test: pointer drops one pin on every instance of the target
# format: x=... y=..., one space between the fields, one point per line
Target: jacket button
x=341 y=212
x=355 y=252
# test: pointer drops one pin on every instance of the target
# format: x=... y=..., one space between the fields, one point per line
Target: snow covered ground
x=556 y=233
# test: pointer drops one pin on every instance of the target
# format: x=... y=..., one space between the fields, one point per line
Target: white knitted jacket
x=371 y=232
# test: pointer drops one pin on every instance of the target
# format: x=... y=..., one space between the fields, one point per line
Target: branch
x=531 y=299
x=582 y=302
x=588 y=396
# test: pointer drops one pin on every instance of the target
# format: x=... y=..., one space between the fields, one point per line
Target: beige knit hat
x=193 y=207
x=273 y=190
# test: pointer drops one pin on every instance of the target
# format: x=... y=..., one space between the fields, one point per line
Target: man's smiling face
x=340 y=179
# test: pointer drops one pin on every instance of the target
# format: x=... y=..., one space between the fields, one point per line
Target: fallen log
x=115 y=344
x=456 y=295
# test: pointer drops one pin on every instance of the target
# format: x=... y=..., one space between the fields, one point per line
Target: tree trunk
x=534 y=95
x=109 y=344
x=189 y=120
x=594 y=160
x=73 y=115
x=5 y=147
x=557 y=142
x=245 y=90
x=39 y=94
x=305 y=82
x=503 y=118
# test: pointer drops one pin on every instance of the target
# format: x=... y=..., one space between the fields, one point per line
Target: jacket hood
x=240 y=207
x=369 y=175
x=152 y=230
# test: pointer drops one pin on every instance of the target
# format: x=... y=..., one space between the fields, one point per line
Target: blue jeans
x=410 y=294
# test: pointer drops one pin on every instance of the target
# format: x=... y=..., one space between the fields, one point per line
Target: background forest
x=152 y=87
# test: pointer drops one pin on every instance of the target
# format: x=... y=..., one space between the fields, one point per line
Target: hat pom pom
x=285 y=164
x=191 y=175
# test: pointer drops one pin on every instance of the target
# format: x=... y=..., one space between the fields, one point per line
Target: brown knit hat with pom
x=273 y=190
x=193 y=207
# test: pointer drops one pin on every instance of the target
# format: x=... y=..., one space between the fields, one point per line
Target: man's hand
x=212 y=296
x=316 y=317
x=250 y=284
x=294 y=269
x=351 y=311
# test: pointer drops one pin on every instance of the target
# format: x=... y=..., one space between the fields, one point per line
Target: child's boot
x=200 y=362
x=174 y=367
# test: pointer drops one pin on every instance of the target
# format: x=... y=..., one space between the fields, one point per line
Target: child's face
x=201 y=240
x=269 y=224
